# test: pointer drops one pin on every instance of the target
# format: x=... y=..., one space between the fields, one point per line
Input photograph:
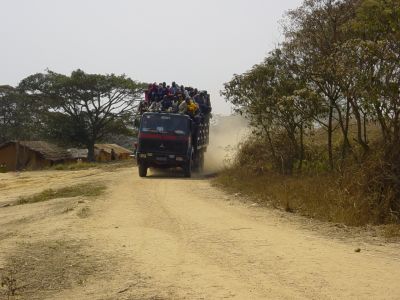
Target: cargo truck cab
x=165 y=141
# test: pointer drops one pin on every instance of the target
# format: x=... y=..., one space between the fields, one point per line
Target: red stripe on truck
x=162 y=137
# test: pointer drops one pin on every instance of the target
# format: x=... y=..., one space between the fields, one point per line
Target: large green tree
x=84 y=108
x=19 y=114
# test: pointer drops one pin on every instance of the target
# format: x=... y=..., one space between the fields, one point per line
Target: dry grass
x=392 y=232
x=319 y=197
x=107 y=166
x=363 y=189
x=38 y=270
x=84 y=190
x=116 y=165
x=74 y=166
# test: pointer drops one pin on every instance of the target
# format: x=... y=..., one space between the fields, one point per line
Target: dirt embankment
x=175 y=238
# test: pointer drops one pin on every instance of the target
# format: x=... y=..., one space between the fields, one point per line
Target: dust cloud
x=225 y=134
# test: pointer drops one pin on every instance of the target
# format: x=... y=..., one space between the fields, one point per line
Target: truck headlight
x=143 y=155
x=179 y=159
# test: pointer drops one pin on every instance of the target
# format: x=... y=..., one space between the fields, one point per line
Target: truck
x=171 y=140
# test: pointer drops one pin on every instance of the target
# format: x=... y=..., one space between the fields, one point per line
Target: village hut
x=109 y=152
x=32 y=155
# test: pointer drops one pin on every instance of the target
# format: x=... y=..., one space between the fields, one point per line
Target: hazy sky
x=197 y=43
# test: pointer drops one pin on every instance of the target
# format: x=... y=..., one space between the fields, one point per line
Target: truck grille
x=163 y=146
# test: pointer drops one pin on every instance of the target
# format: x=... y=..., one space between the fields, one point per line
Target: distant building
x=78 y=154
x=106 y=152
x=32 y=155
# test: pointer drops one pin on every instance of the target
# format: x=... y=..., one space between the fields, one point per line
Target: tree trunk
x=17 y=151
x=301 y=147
x=360 y=140
x=276 y=159
x=330 y=132
x=91 y=157
x=344 y=126
x=385 y=131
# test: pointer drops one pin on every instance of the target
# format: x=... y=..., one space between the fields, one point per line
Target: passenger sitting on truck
x=192 y=108
x=143 y=107
x=179 y=97
x=153 y=92
x=201 y=102
x=155 y=106
x=147 y=94
x=175 y=106
x=166 y=103
x=174 y=88
x=183 y=107
x=186 y=93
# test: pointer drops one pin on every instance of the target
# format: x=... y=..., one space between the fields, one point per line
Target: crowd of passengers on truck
x=176 y=99
x=173 y=128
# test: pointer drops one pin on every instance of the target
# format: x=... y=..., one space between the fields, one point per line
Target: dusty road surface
x=166 y=237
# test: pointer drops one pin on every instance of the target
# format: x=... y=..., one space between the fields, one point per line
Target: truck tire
x=142 y=170
x=187 y=169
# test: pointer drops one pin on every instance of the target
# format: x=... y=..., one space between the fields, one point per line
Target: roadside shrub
x=355 y=194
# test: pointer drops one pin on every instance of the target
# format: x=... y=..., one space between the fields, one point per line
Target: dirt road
x=175 y=238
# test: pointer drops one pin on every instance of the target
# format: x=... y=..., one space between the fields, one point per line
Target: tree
x=7 y=112
x=314 y=34
x=19 y=114
x=87 y=106
x=19 y=117
x=271 y=96
x=338 y=65
x=377 y=26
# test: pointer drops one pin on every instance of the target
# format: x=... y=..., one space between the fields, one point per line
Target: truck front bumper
x=161 y=160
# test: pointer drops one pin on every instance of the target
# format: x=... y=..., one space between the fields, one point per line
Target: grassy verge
x=116 y=165
x=74 y=166
x=107 y=166
x=317 y=197
x=84 y=190
x=41 y=269
x=391 y=231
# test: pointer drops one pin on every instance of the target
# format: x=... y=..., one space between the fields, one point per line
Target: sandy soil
x=165 y=237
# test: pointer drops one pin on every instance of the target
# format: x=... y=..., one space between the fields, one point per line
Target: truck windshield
x=171 y=124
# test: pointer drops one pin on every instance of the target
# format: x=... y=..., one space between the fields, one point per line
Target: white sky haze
x=197 y=43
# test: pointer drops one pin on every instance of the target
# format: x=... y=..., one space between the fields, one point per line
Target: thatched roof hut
x=31 y=155
x=103 y=152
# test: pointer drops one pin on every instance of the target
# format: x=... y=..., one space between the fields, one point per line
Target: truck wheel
x=142 y=170
x=187 y=169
